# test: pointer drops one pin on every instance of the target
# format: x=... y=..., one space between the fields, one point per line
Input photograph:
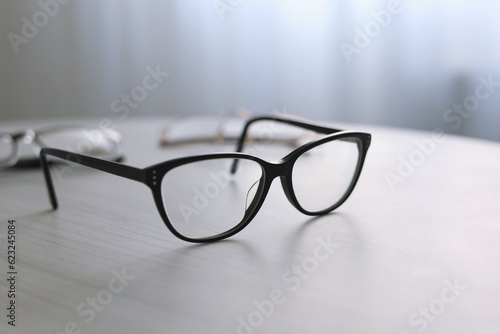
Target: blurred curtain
x=258 y=54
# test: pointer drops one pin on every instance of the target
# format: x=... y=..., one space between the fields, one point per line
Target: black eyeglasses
x=210 y=197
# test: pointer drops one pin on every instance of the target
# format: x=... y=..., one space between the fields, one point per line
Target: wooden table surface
x=422 y=256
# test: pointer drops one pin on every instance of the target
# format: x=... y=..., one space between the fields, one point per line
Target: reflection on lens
x=93 y=142
x=322 y=175
x=202 y=199
x=6 y=149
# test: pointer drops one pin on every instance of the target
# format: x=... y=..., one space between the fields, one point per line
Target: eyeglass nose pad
x=251 y=194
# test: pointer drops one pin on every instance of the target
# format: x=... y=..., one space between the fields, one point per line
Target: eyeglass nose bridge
x=29 y=136
x=29 y=139
x=286 y=183
x=283 y=171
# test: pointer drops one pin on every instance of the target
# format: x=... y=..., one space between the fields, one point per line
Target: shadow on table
x=261 y=256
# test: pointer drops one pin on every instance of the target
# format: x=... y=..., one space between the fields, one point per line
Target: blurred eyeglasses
x=102 y=143
x=223 y=128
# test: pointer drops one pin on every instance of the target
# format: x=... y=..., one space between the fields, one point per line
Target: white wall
x=264 y=54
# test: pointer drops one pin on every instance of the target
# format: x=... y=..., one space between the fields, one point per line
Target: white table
x=392 y=258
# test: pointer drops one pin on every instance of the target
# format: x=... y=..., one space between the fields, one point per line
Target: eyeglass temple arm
x=305 y=125
x=114 y=168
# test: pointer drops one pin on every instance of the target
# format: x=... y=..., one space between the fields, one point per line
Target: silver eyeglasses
x=103 y=143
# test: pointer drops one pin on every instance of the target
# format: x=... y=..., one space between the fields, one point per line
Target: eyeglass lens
x=101 y=143
x=326 y=171
x=6 y=148
x=93 y=142
x=202 y=199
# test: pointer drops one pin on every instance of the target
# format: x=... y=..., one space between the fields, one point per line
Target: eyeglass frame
x=152 y=176
x=14 y=138
x=220 y=135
